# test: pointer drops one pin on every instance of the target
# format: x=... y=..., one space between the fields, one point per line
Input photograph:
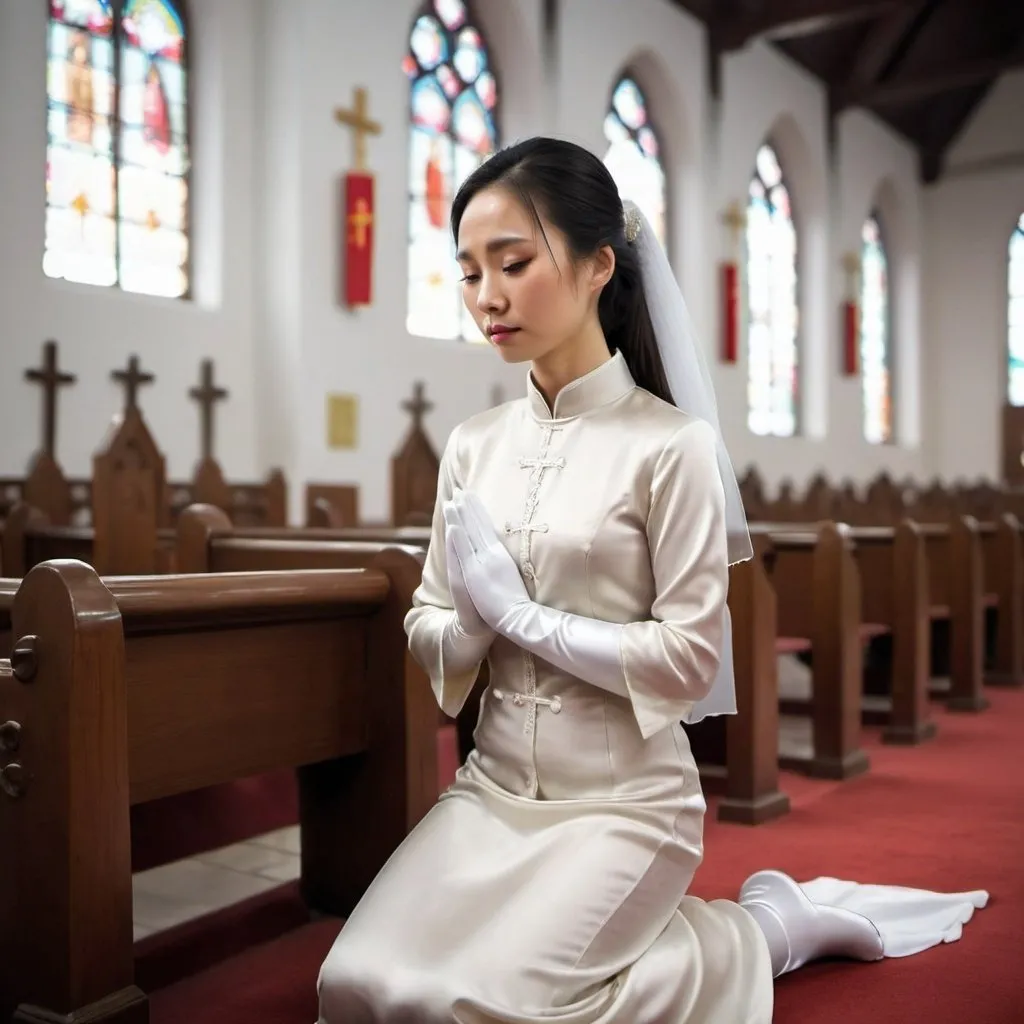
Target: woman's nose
x=490 y=297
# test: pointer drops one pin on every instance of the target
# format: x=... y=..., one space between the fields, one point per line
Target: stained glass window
x=1016 y=315
x=772 y=301
x=454 y=104
x=875 y=355
x=117 y=162
x=634 y=153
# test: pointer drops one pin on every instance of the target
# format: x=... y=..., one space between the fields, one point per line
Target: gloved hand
x=586 y=648
x=466 y=638
x=467 y=623
x=489 y=573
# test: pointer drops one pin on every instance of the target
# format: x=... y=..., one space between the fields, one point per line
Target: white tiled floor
x=175 y=893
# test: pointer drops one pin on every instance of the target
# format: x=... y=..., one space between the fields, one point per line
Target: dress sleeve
x=670 y=660
x=452 y=666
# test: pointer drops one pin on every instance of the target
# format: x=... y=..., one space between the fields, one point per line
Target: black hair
x=577 y=194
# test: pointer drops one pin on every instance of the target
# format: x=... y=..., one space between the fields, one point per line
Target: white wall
x=766 y=97
x=324 y=347
x=98 y=329
x=270 y=159
x=969 y=216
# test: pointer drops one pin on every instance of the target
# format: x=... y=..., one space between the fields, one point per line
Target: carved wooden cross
x=361 y=125
x=50 y=378
x=132 y=378
x=417 y=405
x=207 y=394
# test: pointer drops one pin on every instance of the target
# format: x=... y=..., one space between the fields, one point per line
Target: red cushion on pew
x=791 y=644
x=870 y=629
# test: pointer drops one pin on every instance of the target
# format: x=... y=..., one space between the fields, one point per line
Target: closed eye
x=515 y=268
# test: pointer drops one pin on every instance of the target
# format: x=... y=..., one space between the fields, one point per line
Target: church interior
x=234 y=347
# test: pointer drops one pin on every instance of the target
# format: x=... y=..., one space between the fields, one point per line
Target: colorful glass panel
x=1015 y=315
x=772 y=303
x=454 y=101
x=118 y=155
x=875 y=361
x=633 y=155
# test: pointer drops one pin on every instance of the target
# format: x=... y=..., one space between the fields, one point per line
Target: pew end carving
x=129 y=481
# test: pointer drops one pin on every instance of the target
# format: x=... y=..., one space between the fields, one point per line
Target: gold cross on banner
x=359 y=220
x=360 y=123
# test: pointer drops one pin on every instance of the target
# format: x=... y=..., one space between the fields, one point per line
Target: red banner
x=730 y=312
x=359 y=224
x=851 y=339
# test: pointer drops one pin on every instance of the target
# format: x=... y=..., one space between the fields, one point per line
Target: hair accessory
x=631 y=218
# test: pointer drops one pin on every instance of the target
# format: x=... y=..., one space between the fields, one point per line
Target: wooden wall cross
x=131 y=379
x=207 y=394
x=418 y=406
x=50 y=379
x=358 y=120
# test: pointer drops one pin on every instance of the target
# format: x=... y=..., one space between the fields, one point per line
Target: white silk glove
x=466 y=638
x=585 y=648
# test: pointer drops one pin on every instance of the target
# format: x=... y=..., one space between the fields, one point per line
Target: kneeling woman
x=581 y=545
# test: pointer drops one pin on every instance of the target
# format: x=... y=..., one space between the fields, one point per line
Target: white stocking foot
x=799 y=930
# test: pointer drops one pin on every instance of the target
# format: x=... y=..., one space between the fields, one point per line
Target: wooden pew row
x=1003 y=555
x=946 y=561
x=120 y=691
x=817 y=589
x=892 y=582
x=742 y=765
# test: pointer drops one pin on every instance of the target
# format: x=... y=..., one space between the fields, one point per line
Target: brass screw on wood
x=10 y=737
x=24 y=660
x=13 y=780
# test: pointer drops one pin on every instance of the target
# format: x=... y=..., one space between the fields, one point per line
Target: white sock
x=774 y=933
x=798 y=930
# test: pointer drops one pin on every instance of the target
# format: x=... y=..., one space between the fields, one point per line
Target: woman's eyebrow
x=493 y=246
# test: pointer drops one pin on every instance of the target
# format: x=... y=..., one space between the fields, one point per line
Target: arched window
x=1015 y=338
x=875 y=351
x=773 y=311
x=634 y=153
x=453 y=100
x=117 y=162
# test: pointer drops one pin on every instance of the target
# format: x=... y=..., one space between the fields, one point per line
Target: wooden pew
x=1003 y=554
x=742 y=766
x=885 y=502
x=127 y=499
x=817 y=587
x=893 y=572
x=738 y=756
x=956 y=594
x=123 y=690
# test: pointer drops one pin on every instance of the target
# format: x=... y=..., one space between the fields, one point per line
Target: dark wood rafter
x=921 y=66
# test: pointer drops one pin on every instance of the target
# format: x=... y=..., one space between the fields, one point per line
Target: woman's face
x=526 y=299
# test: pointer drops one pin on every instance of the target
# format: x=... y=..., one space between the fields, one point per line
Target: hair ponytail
x=627 y=326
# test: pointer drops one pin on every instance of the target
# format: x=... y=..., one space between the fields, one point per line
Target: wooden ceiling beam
x=787 y=19
x=884 y=40
x=920 y=87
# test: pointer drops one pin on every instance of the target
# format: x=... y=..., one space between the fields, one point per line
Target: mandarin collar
x=608 y=383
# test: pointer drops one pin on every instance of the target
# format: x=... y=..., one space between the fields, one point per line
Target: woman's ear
x=602 y=267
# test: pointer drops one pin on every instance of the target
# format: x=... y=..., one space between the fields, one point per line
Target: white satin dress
x=549 y=882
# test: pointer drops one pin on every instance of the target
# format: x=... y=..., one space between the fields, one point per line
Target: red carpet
x=948 y=815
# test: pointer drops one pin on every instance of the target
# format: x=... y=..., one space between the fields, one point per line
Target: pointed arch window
x=118 y=153
x=634 y=154
x=1015 y=316
x=454 y=106
x=875 y=340
x=772 y=301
